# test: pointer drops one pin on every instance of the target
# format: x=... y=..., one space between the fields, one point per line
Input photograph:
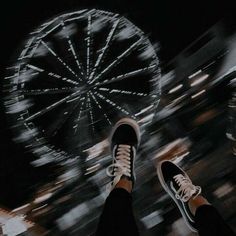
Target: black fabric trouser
x=117 y=218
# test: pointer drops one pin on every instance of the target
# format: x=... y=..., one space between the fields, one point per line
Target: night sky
x=173 y=26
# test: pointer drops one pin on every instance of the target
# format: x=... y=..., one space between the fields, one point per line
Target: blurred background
x=193 y=124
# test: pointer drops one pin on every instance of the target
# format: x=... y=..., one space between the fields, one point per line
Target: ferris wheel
x=76 y=75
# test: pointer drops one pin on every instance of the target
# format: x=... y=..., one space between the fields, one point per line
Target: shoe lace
x=121 y=166
x=186 y=188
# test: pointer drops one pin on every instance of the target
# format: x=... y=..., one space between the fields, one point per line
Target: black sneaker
x=178 y=185
x=124 y=141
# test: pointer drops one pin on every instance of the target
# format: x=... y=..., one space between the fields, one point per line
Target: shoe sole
x=166 y=188
x=130 y=122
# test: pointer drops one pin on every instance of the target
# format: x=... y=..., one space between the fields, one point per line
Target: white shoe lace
x=186 y=188
x=122 y=163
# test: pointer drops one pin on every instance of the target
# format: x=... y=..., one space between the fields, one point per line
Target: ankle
x=196 y=202
x=125 y=184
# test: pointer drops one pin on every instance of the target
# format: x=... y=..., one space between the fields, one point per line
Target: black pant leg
x=117 y=218
x=210 y=223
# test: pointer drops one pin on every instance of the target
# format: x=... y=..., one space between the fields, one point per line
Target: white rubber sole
x=161 y=179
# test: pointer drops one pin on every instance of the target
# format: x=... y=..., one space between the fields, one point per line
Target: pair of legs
x=117 y=217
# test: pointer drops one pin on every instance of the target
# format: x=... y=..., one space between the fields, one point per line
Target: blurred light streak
x=175 y=149
x=21 y=207
x=73 y=216
x=230 y=136
x=143 y=110
x=224 y=190
x=39 y=208
x=175 y=88
x=222 y=77
x=198 y=94
x=199 y=80
x=178 y=159
x=146 y=119
x=167 y=78
x=152 y=219
x=42 y=198
x=92 y=169
x=194 y=74
x=96 y=150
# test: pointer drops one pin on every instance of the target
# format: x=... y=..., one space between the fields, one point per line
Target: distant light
x=178 y=99
x=194 y=74
x=233 y=81
x=230 y=136
x=143 y=110
x=43 y=198
x=198 y=94
x=146 y=119
x=175 y=88
x=152 y=219
x=39 y=208
x=168 y=147
x=199 y=80
x=178 y=159
x=210 y=64
x=231 y=70
x=96 y=150
x=223 y=190
x=35 y=68
x=20 y=208
x=92 y=169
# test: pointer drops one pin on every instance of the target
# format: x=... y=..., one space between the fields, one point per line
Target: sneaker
x=124 y=141
x=178 y=185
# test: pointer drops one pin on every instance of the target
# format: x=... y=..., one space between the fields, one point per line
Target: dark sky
x=174 y=23
x=174 y=26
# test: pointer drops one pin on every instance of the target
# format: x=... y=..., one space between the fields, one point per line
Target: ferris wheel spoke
x=100 y=107
x=34 y=92
x=103 y=50
x=67 y=114
x=76 y=57
x=113 y=104
x=75 y=127
x=59 y=59
x=118 y=59
x=51 y=74
x=121 y=92
x=91 y=115
x=88 y=39
x=127 y=75
x=53 y=106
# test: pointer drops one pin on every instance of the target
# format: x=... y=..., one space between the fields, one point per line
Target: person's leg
x=209 y=221
x=117 y=217
x=197 y=212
